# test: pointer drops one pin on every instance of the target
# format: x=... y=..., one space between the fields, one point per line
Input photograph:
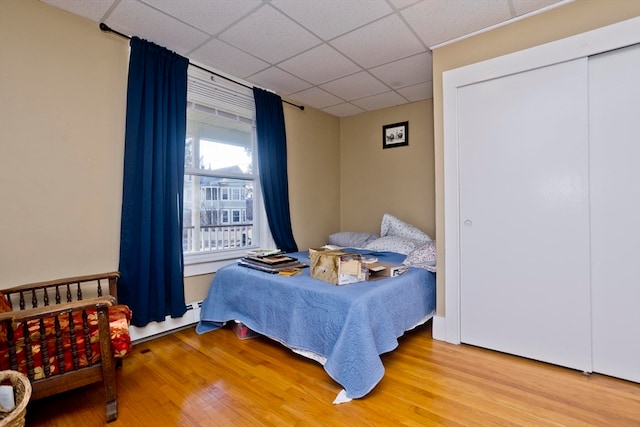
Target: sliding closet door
x=614 y=137
x=524 y=230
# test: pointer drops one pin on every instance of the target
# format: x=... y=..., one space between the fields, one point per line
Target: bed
x=345 y=328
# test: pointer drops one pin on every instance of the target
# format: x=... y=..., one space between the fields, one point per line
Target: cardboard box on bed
x=336 y=266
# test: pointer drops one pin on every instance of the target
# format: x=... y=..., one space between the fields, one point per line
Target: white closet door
x=524 y=230
x=614 y=137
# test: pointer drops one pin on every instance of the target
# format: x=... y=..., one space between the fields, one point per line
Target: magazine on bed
x=271 y=259
x=273 y=269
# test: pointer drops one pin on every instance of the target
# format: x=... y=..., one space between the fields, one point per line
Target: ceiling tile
x=210 y=16
x=280 y=81
x=383 y=41
x=343 y=110
x=401 y=4
x=382 y=100
x=228 y=59
x=316 y=97
x=319 y=52
x=417 y=92
x=329 y=64
x=437 y=21
x=355 y=86
x=136 y=19
x=405 y=72
x=269 y=35
x=331 y=18
x=92 y=10
x=522 y=7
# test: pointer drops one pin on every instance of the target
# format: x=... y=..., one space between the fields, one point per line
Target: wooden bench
x=65 y=333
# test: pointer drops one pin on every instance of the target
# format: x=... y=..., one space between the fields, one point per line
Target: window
x=223 y=210
x=237 y=193
x=225 y=216
x=235 y=216
x=210 y=193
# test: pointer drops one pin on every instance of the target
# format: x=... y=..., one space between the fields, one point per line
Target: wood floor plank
x=215 y=379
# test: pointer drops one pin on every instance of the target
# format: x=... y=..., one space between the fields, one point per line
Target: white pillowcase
x=392 y=226
x=351 y=239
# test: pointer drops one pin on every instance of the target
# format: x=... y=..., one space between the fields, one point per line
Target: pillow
x=351 y=239
x=423 y=257
x=4 y=304
x=392 y=226
x=401 y=245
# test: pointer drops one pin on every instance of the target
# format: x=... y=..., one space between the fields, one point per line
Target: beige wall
x=313 y=150
x=62 y=111
x=573 y=18
x=399 y=180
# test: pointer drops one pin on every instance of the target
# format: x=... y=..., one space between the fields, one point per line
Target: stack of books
x=263 y=252
x=272 y=261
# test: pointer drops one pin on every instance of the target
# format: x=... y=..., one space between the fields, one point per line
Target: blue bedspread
x=350 y=325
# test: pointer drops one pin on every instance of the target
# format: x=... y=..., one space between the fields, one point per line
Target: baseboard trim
x=438 y=328
x=169 y=325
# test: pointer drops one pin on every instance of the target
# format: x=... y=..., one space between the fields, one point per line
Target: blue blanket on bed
x=350 y=325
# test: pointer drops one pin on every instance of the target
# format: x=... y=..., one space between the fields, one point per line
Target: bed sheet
x=349 y=326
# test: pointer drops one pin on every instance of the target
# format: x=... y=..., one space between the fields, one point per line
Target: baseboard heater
x=154 y=329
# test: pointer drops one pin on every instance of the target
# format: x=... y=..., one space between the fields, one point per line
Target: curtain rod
x=105 y=27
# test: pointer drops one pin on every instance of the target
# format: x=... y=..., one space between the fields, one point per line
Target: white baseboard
x=440 y=332
x=152 y=329
x=438 y=328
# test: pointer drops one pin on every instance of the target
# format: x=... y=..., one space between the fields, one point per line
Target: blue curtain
x=151 y=261
x=272 y=159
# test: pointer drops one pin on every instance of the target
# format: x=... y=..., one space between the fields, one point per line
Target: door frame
x=593 y=42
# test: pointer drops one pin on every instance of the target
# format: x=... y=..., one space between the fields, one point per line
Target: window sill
x=198 y=264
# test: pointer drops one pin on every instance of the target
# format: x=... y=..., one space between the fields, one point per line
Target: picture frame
x=395 y=135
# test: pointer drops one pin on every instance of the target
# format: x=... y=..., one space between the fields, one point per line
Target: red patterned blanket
x=119 y=320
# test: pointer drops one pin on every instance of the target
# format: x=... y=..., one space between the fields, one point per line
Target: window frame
x=209 y=262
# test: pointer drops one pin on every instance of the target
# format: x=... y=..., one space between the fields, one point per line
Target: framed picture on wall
x=395 y=135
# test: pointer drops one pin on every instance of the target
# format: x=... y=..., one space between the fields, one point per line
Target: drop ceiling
x=344 y=57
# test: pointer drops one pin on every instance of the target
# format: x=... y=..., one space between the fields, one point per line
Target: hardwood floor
x=215 y=379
